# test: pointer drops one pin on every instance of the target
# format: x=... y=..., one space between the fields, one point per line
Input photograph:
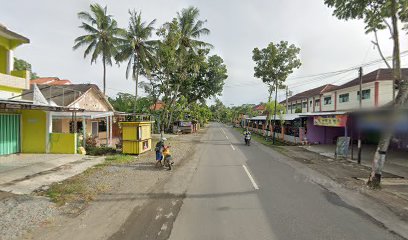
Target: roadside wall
x=34 y=131
x=63 y=143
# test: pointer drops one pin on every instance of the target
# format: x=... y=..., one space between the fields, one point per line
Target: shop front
x=326 y=127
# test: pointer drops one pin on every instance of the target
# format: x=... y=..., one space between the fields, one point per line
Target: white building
x=377 y=91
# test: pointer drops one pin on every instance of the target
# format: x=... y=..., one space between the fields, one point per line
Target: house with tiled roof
x=307 y=101
x=377 y=91
x=96 y=119
x=260 y=108
x=159 y=105
x=50 y=81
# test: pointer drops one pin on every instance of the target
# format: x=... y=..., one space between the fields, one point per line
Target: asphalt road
x=241 y=192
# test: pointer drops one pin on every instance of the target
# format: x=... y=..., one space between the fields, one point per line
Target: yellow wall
x=3 y=60
x=34 y=124
x=63 y=143
x=131 y=143
x=130 y=130
x=20 y=73
x=11 y=89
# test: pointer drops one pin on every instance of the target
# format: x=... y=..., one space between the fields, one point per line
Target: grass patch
x=68 y=191
x=75 y=188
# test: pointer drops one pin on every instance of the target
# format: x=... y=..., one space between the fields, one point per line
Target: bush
x=98 y=151
x=91 y=141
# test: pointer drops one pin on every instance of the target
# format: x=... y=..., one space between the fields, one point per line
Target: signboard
x=330 y=121
x=342 y=147
x=185 y=124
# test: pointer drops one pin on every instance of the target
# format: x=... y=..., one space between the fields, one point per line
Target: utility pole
x=287 y=99
x=361 y=106
x=274 y=114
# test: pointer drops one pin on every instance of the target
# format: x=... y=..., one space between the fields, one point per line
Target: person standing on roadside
x=159 y=151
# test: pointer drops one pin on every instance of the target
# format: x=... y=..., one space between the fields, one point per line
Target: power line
x=320 y=76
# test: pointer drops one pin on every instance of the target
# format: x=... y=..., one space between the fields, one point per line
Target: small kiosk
x=136 y=137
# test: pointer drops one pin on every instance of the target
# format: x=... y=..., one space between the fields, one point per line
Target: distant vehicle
x=182 y=127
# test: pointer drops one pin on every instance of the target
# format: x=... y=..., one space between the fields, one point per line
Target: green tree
x=137 y=48
x=103 y=36
x=20 y=65
x=273 y=65
x=180 y=54
x=208 y=82
x=380 y=15
x=124 y=102
x=280 y=110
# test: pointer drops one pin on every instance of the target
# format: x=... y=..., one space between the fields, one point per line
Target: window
x=343 y=98
x=317 y=102
x=304 y=104
x=327 y=100
x=311 y=103
x=366 y=94
x=102 y=126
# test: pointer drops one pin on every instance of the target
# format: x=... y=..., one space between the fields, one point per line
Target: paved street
x=223 y=200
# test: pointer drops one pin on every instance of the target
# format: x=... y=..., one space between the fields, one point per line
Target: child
x=167 y=155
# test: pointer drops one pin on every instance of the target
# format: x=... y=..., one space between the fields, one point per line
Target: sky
x=237 y=27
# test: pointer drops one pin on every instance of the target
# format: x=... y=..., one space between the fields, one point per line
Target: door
x=95 y=129
x=9 y=133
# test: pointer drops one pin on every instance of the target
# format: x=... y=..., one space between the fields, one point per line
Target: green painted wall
x=9 y=133
x=34 y=125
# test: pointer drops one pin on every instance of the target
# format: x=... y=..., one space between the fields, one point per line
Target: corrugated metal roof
x=286 y=117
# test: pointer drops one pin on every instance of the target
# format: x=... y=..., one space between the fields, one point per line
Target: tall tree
x=137 y=48
x=102 y=38
x=273 y=66
x=20 y=64
x=190 y=49
x=208 y=82
x=380 y=15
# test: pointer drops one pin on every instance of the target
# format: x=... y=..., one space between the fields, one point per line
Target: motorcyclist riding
x=247 y=137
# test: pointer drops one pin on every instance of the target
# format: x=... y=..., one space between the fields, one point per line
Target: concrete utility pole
x=361 y=106
x=287 y=95
x=274 y=114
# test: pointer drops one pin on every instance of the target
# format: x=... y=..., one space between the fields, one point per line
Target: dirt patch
x=4 y=195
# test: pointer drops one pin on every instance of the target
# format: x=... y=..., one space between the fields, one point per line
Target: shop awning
x=20 y=105
x=286 y=117
x=85 y=114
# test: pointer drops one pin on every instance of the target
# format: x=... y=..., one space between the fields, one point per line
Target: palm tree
x=137 y=48
x=191 y=29
x=103 y=36
x=189 y=45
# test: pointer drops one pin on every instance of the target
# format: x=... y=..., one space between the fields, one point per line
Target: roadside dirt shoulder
x=352 y=176
x=120 y=190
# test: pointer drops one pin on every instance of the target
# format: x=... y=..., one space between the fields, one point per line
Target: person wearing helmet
x=159 y=151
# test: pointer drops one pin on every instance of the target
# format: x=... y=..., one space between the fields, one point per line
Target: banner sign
x=342 y=147
x=185 y=124
x=330 y=121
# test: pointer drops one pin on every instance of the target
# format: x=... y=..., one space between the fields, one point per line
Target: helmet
x=164 y=139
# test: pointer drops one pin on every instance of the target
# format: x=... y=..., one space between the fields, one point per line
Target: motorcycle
x=247 y=139
x=167 y=159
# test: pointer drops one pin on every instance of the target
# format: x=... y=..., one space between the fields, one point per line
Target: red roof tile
x=50 y=81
